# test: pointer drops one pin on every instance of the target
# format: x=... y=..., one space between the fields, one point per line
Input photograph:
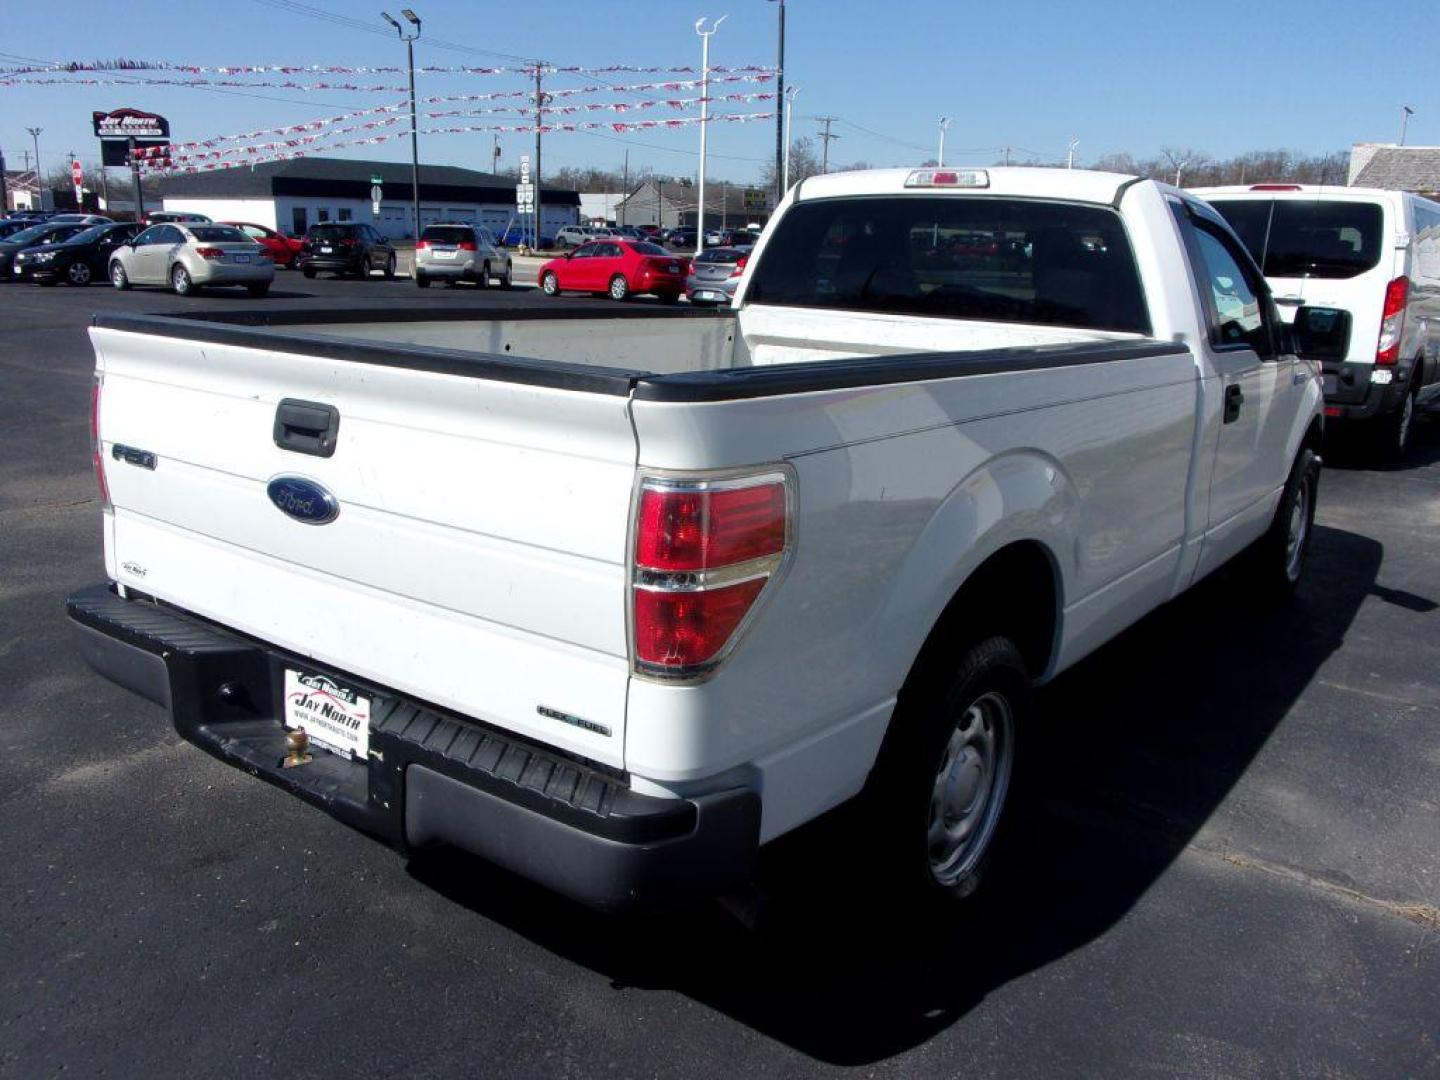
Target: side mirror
x=1321 y=333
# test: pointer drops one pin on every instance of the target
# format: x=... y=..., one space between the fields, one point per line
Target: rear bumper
x=431 y=777
x=1357 y=397
x=332 y=263
x=448 y=269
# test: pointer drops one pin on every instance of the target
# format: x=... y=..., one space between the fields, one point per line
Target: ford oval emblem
x=304 y=500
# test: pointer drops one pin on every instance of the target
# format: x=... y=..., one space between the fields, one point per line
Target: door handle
x=1234 y=398
x=306 y=427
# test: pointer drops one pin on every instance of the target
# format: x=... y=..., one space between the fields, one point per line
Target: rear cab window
x=975 y=257
x=1308 y=237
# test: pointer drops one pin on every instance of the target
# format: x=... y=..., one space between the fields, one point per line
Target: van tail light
x=1392 y=321
x=210 y=253
x=97 y=448
x=466 y=245
x=739 y=267
x=704 y=552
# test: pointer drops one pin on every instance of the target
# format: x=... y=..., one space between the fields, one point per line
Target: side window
x=149 y=236
x=1237 y=305
x=585 y=251
x=169 y=235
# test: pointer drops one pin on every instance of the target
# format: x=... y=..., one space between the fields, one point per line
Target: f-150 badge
x=304 y=500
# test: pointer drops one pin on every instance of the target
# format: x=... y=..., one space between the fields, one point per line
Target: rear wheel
x=258 y=288
x=78 y=273
x=118 y=277
x=421 y=281
x=947 y=773
x=484 y=281
x=506 y=279
x=309 y=271
x=619 y=288
x=550 y=284
x=390 y=265
x=180 y=281
x=1393 y=432
x=669 y=298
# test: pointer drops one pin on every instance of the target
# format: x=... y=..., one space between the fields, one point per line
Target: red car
x=619 y=267
x=282 y=248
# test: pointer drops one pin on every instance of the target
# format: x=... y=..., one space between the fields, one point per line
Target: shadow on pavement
x=1137 y=747
x=1345 y=449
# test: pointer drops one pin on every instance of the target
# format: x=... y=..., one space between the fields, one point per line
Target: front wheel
x=181 y=281
x=550 y=284
x=390 y=265
x=118 y=277
x=619 y=288
x=948 y=772
x=78 y=273
x=669 y=297
x=507 y=279
x=259 y=288
x=1281 y=553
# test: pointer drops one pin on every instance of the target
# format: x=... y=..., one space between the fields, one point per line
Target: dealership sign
x=119 y=129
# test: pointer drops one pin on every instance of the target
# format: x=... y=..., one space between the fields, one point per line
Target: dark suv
x=345 y=247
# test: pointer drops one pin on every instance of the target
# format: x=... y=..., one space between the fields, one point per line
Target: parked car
x=618 y=604
x=517 y=236
x=192 y=256
x=715 y=275
x=682 y=239
x=346 y=247
x=621 y=268
x=158 y=217
x=81 y=219
x=652 y=233
x=79 y=259
x=1373 y=258
x=572 y=236
x=44 y=232
x=283 y=249
x=460 y=251
x=10 y=226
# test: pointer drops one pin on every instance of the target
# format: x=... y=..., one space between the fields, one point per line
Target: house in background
x=1395 y=168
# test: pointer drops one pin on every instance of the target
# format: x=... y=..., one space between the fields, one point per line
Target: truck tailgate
x=477 y=561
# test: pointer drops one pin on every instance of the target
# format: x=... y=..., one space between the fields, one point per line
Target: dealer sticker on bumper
x=332 y=715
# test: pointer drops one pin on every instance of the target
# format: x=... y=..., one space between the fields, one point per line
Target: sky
x=1222 y=77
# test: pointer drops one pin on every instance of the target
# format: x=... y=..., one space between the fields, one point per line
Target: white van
x=1365 y=264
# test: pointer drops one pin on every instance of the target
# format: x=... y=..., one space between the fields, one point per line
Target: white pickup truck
x=614 y=599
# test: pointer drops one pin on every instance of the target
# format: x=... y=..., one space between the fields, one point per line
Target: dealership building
x=293 y=195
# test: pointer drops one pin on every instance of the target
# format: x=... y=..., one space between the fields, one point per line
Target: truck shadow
x=1138 y=746
x=1351 y=450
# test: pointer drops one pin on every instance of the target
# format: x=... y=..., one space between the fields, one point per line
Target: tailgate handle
x=306 y=427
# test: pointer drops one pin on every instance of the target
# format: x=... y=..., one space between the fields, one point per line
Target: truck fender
x=1024 y=495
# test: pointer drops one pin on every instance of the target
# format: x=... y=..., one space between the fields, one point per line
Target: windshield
x=447 y=234
x=34 y=234
x=95 y=232
x=1307 y=238
x=218 y=234
x=994 y=259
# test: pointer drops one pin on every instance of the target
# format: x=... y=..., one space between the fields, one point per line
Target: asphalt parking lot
x=1232 y=867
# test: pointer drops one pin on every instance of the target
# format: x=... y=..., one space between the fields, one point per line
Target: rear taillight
x=1392 y=321
x=466 y=245
x=704 y=552
x=421 y=245
x=97 y=455
x=739 y=267
x=210 y=253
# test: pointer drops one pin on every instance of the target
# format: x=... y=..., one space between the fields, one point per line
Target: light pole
x=409 y=40
x=1070 y=153
x=1179 y=169
x=782 y=138
x=39 y=184
x=704 y=120
x=789 y=120
x=940 y=157
x=1405 y=113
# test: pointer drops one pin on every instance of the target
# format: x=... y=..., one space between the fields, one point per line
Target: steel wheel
x=619 y=287
x=969 y=788
x=78 y=273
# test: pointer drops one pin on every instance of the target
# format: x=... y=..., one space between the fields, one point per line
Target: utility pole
x=541 y=100
x=1007 y=157
x=782 y=121
x=940 y=157
x=724 y=204
x=625 y=183
x=409 y=40
x=1405 y=113
x=825 y=138
x=705 y=36
x=1070 y=153
x=4 y=189
x=494 y=153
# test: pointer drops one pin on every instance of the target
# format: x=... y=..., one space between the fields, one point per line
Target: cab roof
x=1074 y=185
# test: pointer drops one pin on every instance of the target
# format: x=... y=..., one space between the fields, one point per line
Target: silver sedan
x=191 y=256
x=714 y=275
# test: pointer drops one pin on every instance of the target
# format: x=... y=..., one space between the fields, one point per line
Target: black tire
x=941 y=800
x=79 y=273
x=259 y=288
x=484 y=279
x=507 y=279
x=390 y=265
x=118 y=277
x=619 y=288
x=550 y=284
x=1279 y=556
x=308 y=271
x=421 y=281
x=1393 y=431
x=181 y=281
x=669 y=298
